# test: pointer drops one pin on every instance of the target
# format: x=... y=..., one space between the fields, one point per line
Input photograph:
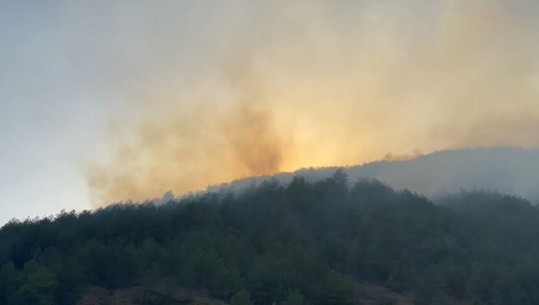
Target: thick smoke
x=221 y=90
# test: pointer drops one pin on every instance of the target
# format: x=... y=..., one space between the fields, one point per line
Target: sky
x=104 y=101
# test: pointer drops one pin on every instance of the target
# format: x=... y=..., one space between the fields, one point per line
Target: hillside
x=329 y=242
x=507 y=170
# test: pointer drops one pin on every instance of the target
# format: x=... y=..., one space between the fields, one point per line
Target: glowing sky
x=111 y=100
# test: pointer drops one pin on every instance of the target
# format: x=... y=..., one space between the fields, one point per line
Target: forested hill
x=510 y=170
x=323 y=243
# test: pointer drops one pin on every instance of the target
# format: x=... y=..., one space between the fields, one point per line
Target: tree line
x=297 y=244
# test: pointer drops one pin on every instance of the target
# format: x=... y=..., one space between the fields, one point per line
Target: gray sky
x=75 y=74
x=48 y=115
x=66 y=68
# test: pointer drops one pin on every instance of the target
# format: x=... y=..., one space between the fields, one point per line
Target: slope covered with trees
x=509 y=170
x=327 y=242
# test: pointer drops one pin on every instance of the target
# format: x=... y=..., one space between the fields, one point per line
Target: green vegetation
x=304 y=243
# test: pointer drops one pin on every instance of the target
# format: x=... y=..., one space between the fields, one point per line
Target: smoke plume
x=215 y=91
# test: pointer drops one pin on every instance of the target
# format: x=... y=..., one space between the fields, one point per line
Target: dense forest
x=323 y=243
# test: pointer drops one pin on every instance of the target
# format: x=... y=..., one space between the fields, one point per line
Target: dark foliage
x=304 y=243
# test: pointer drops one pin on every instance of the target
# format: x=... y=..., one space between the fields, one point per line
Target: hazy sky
x=111 y=100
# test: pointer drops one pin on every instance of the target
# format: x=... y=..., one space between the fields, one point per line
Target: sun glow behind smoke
x=291 y=84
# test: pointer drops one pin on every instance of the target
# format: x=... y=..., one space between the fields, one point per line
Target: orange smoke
x=296 y=84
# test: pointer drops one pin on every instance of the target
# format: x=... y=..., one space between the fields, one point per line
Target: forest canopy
x=323 y=243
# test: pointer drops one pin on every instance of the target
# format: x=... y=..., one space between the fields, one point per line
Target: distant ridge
x=509 y=170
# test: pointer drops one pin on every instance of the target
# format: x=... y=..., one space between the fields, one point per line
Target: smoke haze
x=216 y=91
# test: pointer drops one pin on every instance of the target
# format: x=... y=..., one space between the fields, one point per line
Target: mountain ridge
x=508 y=170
